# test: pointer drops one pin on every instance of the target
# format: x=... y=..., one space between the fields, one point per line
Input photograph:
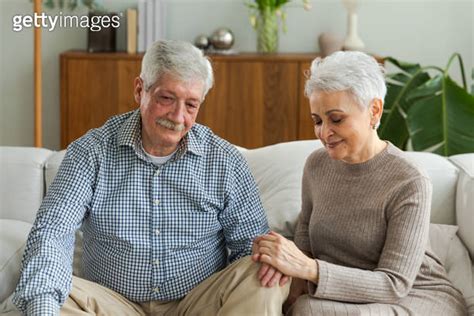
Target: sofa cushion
x=21 y=181
x=441 y=237
x=13 y=235
x=447 y=246
x=278 y=170
x=443 y=176
x=465 y=199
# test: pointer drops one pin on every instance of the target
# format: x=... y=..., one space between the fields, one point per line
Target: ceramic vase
x=352 y=40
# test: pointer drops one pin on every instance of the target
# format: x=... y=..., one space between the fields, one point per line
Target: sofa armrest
x=13 y=235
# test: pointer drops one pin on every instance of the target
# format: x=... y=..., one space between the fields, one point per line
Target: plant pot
x=267 y=31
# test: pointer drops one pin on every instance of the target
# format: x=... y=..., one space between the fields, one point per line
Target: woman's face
x=344 y=128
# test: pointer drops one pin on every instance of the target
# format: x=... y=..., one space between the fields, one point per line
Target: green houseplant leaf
x=432 y=113
x=443 y=122
x=393 y=125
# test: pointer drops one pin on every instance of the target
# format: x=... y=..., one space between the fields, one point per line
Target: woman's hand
x=267 y=274
x=283 y=255
x=298 y=288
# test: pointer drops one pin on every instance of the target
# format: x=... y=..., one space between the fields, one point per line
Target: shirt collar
x=193 y=144
x=130 y=135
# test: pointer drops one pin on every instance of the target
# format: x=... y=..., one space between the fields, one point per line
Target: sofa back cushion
x=278 y=170
x=444 y=177
x=465 y=199
x=21 y=182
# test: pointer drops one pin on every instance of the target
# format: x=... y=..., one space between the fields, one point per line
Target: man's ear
x=376 y=111
x=139 y=89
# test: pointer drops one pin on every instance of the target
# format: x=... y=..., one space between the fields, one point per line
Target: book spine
x=150 y=20
x=141 y=25
x=131 y=31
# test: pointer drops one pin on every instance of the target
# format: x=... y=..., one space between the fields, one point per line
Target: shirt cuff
x=43 y=305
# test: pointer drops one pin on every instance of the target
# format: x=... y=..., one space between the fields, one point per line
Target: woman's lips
x=333 y=144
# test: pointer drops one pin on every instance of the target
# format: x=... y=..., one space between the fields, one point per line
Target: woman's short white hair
x=352 y=71
x=178 y=58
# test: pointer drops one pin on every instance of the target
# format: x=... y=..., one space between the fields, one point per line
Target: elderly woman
x=361 y=240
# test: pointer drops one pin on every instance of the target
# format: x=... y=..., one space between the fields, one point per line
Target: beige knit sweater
x=367 y=225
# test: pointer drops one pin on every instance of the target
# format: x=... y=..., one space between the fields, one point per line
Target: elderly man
x=168 y=211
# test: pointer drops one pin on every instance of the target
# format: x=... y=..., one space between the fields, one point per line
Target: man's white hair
x=180 y=59
x=352 y=71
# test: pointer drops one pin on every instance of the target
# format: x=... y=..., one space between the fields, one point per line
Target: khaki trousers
x=232 y=291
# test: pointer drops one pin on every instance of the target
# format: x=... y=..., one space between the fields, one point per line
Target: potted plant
x=426 y=110
x=72 y=4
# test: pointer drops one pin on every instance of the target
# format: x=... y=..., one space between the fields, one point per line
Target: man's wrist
x=43 y=305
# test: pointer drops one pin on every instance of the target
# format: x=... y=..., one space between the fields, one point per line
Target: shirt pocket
x=109 y=246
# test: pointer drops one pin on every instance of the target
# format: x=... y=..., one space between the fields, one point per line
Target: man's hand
x=267 y=275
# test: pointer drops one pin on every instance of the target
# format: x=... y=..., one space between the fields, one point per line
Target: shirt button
x=156 y=290
x=157 y=172
x=157 y=232
x=156 y=262
x=156 y=202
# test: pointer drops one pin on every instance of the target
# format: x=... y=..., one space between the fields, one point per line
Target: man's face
x=168 y=111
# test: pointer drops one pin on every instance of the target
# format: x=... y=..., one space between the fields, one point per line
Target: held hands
x=282 y=254
x=268 y=275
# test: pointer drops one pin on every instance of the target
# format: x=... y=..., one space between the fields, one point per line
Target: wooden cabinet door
x=305 y=124
x=128 y=70
x=253 y=103
x=93 y=90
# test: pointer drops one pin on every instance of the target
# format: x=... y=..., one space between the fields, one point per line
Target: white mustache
x=169 y=124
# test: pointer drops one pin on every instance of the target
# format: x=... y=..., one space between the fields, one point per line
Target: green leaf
x=395 y=129
x=427 y=89
x=407 y=67
x=400 y=78
x=393 y=126
x=444 y=122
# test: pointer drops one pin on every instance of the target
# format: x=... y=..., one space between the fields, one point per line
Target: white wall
x=425 y=31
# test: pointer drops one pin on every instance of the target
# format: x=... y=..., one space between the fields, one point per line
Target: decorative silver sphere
x=202 y=42
x=222 y=38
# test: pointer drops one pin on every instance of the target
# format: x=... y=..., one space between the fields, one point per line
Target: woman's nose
x=325 y=131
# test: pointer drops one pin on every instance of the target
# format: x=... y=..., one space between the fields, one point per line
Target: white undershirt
x=156 y=160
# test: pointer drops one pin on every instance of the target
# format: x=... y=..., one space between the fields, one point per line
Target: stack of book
x=144 y=25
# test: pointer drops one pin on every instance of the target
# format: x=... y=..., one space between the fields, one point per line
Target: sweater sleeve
x=302 y=231
x=408 y=215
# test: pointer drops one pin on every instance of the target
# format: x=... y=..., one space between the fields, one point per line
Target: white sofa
x=25 y=174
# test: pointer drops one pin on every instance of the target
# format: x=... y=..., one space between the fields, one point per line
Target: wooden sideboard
x=257 y=99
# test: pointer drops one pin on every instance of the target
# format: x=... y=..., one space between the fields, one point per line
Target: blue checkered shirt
x=150 y=232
